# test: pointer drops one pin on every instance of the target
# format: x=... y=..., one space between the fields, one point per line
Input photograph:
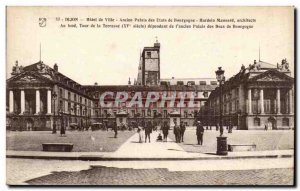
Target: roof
x=151 y=88
x=42 y=70
x=265 y=65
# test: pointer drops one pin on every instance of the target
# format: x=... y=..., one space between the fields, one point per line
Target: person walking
x=176 y=132
x=199 y=133
x=139 y=131
x=165 y=130
x=115 y=128
x=148 y=131
x=182 y=130
x=266 y=127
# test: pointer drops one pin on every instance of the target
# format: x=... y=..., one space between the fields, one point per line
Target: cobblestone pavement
x=208 y=172
x=101 y=175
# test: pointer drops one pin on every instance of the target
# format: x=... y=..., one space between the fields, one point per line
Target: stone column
x=22 y=102
x=249 y=101
x=291 y=105
x=262 y=109
x=48 y=101
x=37 y=101
x=11 y=101
x=278 y=101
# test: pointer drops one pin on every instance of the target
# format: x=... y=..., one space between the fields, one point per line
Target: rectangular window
x=61 y=106
x=165 y=113
x=202 y=82
x=61 y=93
x=213 y=83
x=148 y=54
x=185 y=114
x=180 y=83
x=69 y=107
x=285 y=122
x=191 y=83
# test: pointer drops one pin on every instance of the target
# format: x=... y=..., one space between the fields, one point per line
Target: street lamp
x=221 y=79
x=221 y=140
x=54 y=96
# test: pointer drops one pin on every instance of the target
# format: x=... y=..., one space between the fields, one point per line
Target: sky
x=111 y=56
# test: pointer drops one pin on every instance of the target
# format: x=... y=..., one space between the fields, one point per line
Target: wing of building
x=258 y=97
x=39 y=96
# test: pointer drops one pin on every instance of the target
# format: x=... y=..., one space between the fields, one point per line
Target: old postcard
x=150 y=96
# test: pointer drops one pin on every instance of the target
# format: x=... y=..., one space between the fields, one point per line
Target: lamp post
x=54 y=96
x=221 y=140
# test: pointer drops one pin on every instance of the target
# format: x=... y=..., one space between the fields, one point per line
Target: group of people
x=179 y=131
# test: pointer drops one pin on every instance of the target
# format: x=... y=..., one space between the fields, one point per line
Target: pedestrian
x=266 y=127
x=217 y=127
x=115 y=128
x=199 y=133
x=148 y=131
x=165 y=130
x=139 y=131
x=176 y=132
x=62 y=129
x=182 y=130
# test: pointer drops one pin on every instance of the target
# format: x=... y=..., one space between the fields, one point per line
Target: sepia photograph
x=150 y=96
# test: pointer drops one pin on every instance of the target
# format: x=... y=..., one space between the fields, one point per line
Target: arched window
x=256 y=121
x=285 y=122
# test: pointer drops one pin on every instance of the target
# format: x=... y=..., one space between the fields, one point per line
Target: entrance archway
x=272 y=123
x=29 y=124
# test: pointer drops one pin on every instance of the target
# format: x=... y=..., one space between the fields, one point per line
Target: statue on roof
x=284 y=66
x=243 y=67
x=17 y=69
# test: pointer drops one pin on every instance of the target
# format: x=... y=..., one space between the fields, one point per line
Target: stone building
x=39 y=96
x=261 y=94
x=158 y=111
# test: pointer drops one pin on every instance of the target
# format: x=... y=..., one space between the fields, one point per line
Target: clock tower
x=149 y=68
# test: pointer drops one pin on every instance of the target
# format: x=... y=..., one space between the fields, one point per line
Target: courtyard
x=264 y=140
x=104 y=141
x=84 y=141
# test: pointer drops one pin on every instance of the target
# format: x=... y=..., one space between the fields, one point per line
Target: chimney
x=55 y=67
x=156 y=44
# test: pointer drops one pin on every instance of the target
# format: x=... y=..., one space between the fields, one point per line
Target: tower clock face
x=151 y=64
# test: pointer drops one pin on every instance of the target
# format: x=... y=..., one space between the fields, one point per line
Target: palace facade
x=259 y=95
x=39 y=96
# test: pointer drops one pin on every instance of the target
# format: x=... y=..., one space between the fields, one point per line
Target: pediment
x=28 y=77
x=272 y=76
